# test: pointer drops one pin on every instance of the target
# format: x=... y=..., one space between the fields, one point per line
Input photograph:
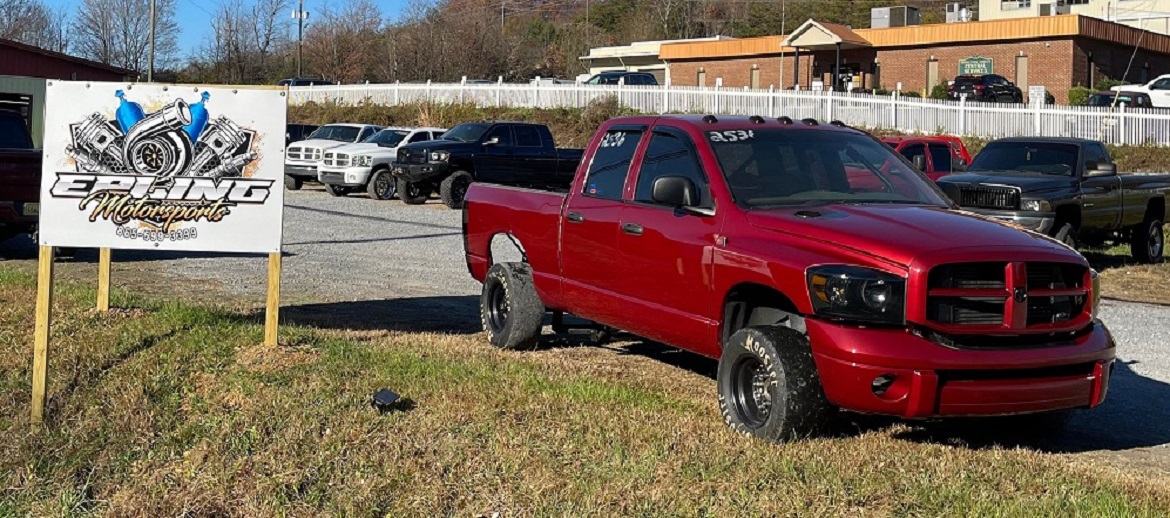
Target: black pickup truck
x=1065 y=188
x=509 y=153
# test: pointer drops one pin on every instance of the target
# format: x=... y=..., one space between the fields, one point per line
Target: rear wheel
x=510 y=310
x=292 y=183
x=1147 y=242
x=454 y=189
x=768 y=384
x=412 y=193
x=382 y=186
x=336 y=190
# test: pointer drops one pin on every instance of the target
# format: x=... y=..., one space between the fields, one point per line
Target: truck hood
x=366 y=149
x=899 y=233
x=1027 y=182
x=319 y=144
x=445 y=145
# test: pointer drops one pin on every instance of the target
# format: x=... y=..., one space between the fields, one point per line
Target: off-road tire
x=790 y=391
x=1147 y=241
x=454 y=188
x=510 y=310
x=412 y=193
x=1067 y=235
x=337 y=191
x=382 y=186
x=293 y=183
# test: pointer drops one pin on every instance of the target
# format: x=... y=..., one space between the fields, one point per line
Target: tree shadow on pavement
x=441 y=314
x=1136 y=414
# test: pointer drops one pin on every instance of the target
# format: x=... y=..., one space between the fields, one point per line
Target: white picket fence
x=899 y=113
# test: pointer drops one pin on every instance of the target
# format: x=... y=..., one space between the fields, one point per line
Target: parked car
x=1066 y=188
x=366 y=165
x=297 y=132
x=511 y=153
x=987 y=88
x=1127 y=99
x=741 y=239
x=937 y=156
x=20 y=177
x=629 y=78
x=1158 y=90
x=301 y=158
x=304 y=81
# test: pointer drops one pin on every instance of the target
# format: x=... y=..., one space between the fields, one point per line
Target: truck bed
x=532 y=216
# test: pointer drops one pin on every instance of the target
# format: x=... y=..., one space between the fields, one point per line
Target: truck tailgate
x=530 y=216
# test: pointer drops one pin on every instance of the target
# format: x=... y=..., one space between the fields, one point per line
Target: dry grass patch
x=178 y=411
x=1124 y=279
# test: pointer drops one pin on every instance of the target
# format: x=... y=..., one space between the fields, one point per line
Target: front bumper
x=356 y=176
x=301 y=170
x=931 y=380
x=419 y=172
x=1035 y=221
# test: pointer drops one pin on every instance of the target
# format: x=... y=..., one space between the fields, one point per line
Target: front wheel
x=292 y=183
x=382 y=186
x=510 y=309
x=1147 y=241
x=454 y=189
x=769 y=387
x=412 y=193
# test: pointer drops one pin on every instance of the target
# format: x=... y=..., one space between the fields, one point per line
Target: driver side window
x=915 y=150
x=669 y=155
x=504 y=133
x=1161 y=84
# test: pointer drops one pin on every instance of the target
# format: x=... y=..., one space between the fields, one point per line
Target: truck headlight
x=362 y=160
x=857 y=294
x=440 y=156
x=1036 y=206
x=1096 y=295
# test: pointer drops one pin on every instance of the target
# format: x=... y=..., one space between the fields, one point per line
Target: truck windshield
x=338 y=133
x=776 y=168
x=1026 y=157
x=469 y=132
x=387 y=138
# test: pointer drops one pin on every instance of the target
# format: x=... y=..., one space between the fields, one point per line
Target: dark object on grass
x=384 y=400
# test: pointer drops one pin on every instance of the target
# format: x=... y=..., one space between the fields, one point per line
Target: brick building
x=1058 y=52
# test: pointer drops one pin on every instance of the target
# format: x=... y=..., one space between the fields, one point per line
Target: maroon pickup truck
x=743 y=239
x=20 y=177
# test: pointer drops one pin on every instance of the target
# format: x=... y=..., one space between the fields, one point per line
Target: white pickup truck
x=1158 y=90
x=301 y=158
x=366 y=165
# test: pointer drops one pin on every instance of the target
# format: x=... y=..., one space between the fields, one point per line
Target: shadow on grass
x=23 y=248
x=442 y=314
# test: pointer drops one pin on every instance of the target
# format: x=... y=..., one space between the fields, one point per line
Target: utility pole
x=300 y=14
x=502 y=4
x=587 y=27
x=150 y=59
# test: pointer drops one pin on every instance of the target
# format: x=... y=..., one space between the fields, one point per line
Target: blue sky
x=195 y=20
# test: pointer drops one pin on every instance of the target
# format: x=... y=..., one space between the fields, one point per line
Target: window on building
x=1014 y=5
x=702 y=79
x=755 y=77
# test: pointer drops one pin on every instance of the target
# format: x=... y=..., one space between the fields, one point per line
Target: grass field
x=170 y=409
x=1124 y=279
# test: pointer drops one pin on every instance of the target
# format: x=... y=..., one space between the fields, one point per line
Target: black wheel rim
x=413 y=190
x=497 y=307
x=1155 y=246
x=383 y=186
x=752 y=385
x=459 y=190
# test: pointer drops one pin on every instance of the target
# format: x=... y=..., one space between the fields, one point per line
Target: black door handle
x=574 y=217
x=633 y=229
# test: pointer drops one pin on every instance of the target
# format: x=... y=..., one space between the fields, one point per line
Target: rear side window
x=527 y=136
x=611 y=164
x=419 y=137
x=940 y=156
x=668 y=155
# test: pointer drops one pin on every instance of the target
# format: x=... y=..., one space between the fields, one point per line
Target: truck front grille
x=304 y=153
x=412 y=156
x=336 y=160
x=1006 y=296
x=989 y=197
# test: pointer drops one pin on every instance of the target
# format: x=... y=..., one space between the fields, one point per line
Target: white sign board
x=1037 y=94
x=161 y=167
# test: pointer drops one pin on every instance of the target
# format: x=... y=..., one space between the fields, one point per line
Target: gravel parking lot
x=358 y=263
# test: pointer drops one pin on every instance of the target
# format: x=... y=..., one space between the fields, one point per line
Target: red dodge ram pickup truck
x=742 y=239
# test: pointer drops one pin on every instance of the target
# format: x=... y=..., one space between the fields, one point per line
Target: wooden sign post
x=272 y=308
x=41 y=333
x=103 y=287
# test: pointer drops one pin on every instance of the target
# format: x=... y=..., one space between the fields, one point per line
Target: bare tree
x=342 y=44
x=33 y=23
x=117 y=32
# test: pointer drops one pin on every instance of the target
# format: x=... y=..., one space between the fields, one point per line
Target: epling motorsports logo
x=161 y=169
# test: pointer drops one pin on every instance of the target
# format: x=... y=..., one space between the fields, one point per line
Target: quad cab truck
x=742 y=239
x=511 y=153
x=20 y=177
x=301 y=158
x=937 y=156
x=365 y=166
x=1066 y=188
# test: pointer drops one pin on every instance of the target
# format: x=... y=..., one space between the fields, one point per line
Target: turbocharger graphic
x=158 y=145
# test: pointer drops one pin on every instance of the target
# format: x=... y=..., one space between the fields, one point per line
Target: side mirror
x=492 y=141
x=674 y=191
x=1093 y=169
x=919 y=162
x=958 y=165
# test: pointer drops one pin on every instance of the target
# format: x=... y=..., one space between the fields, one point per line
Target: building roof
x=813 y=34
x=1012 y=29
x=642 y=48
x=66 y=57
